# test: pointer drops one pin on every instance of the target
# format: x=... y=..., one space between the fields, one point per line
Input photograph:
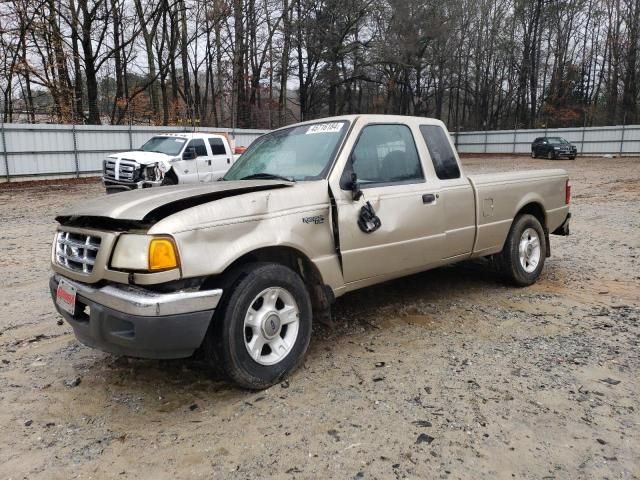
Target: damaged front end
x=123 y=175
x=120 y=286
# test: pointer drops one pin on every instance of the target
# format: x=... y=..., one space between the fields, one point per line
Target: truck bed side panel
x=501 y=196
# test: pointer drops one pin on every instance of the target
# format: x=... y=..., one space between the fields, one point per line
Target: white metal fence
x=618 y=140
x=35 y=150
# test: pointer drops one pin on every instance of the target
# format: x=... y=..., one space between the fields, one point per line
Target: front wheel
x=533 y=154
x=522 y=258
x=551 y=155
x=262 y=330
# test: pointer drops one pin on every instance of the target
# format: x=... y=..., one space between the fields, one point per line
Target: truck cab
x=170 y=159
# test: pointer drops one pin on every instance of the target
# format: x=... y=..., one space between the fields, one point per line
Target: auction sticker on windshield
x=325 y=128
x=66 y=297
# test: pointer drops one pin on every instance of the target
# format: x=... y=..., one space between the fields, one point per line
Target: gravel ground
x=446 y=374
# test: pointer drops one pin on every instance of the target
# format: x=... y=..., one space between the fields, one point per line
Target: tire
x=572 y=157
x=522 y=258
x=533 y=154
x=252 y=317
x=551 y=155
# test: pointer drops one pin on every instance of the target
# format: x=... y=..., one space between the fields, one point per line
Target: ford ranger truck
x=240 y=269
x=170 y=159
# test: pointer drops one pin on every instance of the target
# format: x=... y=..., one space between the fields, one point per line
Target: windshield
x=299 y=153
x=557 y=140
x=166 y=145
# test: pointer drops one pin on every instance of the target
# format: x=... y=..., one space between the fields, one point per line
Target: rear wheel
x=522 y=258
x=262 y=330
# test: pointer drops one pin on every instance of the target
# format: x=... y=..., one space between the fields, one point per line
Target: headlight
x=162 y=167
x=145 y=253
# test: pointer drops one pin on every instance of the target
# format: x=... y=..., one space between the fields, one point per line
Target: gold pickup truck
x=241 y=268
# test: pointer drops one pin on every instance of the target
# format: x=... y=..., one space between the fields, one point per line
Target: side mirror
x=189 y=153
x=356 y=193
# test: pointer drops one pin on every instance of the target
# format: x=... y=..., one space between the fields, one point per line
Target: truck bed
x=500 y=196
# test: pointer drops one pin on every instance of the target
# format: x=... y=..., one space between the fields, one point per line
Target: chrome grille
x=110 y=168
x=77 y=251
x=121 y=169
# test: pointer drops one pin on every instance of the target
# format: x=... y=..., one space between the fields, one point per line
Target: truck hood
x=143 y=158
x=152 y=204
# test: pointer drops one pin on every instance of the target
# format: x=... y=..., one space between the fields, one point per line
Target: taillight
x=567 y=192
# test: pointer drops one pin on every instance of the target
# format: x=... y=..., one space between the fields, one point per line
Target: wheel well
x=321 y=295
x=172 y=174
x=537 y=211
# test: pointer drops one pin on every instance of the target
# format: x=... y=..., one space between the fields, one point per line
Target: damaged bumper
x=114 y=186
x=136 y=322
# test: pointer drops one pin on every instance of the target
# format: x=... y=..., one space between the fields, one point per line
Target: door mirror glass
x=189 y=153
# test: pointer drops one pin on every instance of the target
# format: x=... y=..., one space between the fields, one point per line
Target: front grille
x=122 y=169
x=77 y=251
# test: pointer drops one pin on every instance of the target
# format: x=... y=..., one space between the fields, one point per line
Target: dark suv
x=552 y=148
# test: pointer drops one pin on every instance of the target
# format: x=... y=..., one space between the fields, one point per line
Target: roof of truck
x=192 y=134
x=376 y=118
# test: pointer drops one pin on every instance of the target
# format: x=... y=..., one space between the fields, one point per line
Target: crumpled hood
x=153 y=204
x=143 y=158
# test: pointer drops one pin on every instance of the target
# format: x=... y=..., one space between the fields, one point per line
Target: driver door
x=187 y=168
x=391 y=177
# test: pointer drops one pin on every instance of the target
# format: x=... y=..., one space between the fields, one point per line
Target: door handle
x=209 y=162
x=429 y=198
x=228 y=160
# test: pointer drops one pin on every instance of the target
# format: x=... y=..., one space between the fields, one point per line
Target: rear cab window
x=217 y=146
x=442 y=155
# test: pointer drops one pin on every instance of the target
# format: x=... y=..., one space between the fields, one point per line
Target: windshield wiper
x=267 y=176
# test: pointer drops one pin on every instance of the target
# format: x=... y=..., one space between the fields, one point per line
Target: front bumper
x=565 y=153
x=132 y=321
x=114 y=186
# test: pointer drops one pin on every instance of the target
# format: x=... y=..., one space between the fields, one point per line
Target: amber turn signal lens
x=162 y=254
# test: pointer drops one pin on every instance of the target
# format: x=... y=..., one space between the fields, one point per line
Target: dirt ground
x=446 y=374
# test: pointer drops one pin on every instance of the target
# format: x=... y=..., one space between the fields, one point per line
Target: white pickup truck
x=170 y=159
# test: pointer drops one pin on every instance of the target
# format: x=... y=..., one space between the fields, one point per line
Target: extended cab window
x=444 y=160
x=386 y=154
x=217 y=146
x=198 y=145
